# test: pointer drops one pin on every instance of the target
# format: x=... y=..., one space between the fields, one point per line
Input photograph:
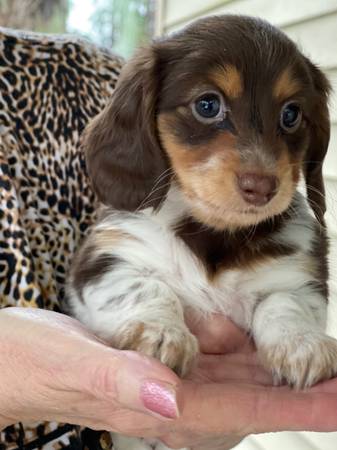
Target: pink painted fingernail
x=160 y=398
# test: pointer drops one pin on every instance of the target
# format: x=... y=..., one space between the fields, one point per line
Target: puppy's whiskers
x=148 y=199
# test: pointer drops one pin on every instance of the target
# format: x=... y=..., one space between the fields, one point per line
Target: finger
x=217 y=334
x=131 y=380
x=243 y=410
x=329 y=386
x=231 y=367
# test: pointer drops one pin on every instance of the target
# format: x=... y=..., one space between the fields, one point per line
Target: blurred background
x=122 y=25
x=118 y=24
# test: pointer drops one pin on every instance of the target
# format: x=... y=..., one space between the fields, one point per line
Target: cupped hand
x=229 y=395
x=53 y=369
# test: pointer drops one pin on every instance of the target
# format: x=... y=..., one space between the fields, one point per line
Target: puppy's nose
x=257 y=189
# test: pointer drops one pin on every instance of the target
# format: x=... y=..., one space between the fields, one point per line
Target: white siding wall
x=313 y=25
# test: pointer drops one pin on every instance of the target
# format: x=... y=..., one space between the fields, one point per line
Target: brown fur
x=238 y=250
x=88 y=267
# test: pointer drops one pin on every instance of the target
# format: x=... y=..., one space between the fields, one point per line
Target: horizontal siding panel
x=285 y=440
x=332 y=307
x=250 y=443
x=298 y=441
x=322 y=441
x=291 y=441
x=318 y=39
x=176 y=11
x=330 y=164
x=332 y=75
x=331 y=201
x=278 y=13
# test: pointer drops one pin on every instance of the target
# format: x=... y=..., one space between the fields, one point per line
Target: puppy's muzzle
x=257 y=189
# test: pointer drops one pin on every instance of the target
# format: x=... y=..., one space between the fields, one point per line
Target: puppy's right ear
x=124 y=158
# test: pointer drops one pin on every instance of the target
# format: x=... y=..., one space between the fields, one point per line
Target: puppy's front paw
x=174 y=345
x=301 y=360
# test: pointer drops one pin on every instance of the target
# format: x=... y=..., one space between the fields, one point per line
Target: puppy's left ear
x=124 y=158
x=319 y=141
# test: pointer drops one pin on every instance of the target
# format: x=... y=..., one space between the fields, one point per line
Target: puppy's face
x=232 y=110
x=236 y=139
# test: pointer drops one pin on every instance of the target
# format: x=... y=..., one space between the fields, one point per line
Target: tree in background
x=38 y=15
x=123 y=24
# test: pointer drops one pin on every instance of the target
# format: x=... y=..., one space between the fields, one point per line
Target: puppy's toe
x=177 y=349
x=302 y=360
x=174 y=345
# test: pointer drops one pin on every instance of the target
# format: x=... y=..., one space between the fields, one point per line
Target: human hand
x=229 y=395
x=53 y=369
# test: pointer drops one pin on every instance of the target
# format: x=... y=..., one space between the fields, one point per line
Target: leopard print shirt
x=49 y=88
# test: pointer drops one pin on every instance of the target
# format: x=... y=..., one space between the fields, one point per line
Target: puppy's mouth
x=223 y=216
x=249 y=210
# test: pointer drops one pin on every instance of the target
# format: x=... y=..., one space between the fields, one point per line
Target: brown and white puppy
x=198 y=157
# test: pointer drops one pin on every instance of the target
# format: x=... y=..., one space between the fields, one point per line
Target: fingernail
x=160 y=398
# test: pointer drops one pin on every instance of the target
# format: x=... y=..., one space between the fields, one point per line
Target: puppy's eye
x=208 y=106
x=291 y=116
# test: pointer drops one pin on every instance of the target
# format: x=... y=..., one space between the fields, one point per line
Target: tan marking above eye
x=286 y=85
x=228 y=79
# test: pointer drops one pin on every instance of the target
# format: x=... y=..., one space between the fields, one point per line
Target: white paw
x=174 y=345
x=301 y=360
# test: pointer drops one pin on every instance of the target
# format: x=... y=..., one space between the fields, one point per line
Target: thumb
x=135 y=382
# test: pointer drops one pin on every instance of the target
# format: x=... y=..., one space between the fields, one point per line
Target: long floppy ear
x=124 y=158
x=318 y=146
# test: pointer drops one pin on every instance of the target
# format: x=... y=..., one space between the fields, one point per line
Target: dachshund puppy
x=197 y=158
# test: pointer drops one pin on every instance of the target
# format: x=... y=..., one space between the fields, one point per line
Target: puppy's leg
x=150 y=319
x=133 y=309
x=288 y=329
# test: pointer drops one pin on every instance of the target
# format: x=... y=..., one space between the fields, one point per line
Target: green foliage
x=123 y=24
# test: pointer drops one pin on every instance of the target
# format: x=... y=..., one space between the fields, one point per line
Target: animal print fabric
x=49 y=88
